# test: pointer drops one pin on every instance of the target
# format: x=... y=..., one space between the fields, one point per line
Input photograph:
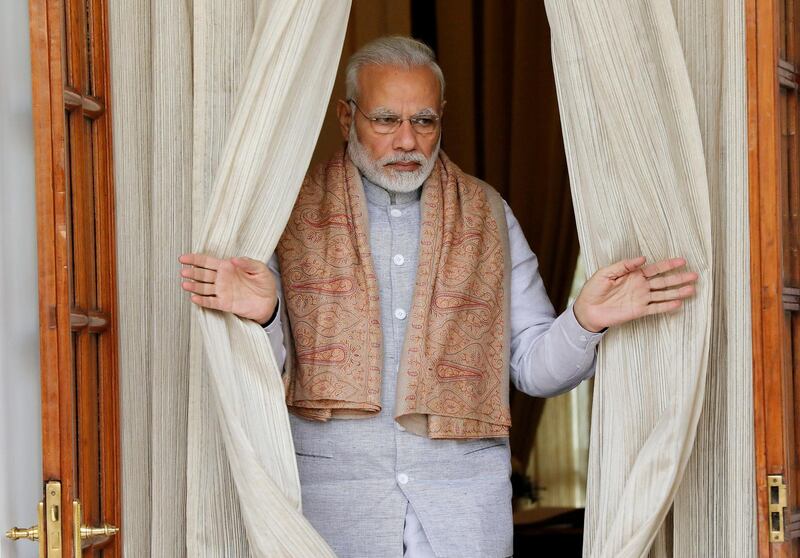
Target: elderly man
x=409 y=297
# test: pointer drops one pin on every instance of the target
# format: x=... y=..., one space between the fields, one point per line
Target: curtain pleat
x=221 y=39
x=171 y=187
x=217 y=107
x=714 y=508
x=652 y=101
x=291 y=60
x=153 y=184
x=133 y=104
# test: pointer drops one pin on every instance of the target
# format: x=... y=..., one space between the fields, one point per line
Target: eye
x=387 y=120
x=424 y=121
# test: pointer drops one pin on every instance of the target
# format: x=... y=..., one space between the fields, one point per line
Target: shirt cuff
x=273 y=322
x=577 y=334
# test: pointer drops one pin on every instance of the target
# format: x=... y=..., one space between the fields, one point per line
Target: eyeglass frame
x=372 y=120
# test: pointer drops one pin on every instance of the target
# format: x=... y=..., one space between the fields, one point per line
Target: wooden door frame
x=774 y=423
x=48 y=49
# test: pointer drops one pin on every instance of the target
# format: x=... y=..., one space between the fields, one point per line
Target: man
x=411 y=298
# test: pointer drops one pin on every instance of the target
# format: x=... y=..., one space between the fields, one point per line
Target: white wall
x=20 y=422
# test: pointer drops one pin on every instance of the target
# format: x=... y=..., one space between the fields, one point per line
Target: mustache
x=412 y=157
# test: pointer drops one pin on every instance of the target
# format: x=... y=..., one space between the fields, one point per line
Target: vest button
x=402 y=478
x=396 y=212
x=398 y=259
x=400 y=314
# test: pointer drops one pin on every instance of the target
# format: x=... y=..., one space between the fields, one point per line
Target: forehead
x=398 y=88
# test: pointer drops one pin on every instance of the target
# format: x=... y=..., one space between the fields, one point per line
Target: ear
x=441 y=111
x=345 y=116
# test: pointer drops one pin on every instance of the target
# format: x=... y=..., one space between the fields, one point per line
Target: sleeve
x=274 y=327
x=549 y=354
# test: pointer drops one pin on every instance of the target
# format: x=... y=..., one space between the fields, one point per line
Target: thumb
x=623 y=267
x=248 y=265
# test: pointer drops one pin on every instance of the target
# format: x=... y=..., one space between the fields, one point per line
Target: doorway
x=501 y=124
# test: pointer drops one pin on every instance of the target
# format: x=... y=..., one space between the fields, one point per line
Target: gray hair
x=392 y=51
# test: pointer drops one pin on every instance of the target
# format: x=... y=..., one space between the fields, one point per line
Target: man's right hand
x=243 y=286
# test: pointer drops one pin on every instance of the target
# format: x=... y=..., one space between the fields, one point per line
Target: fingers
x=663 y=298
x=199 y=274
x=673 y=280
x=623 y=267
x=202 y=278
x=199 y=288
x=211 y=302
x=202 y=273
x=661 y=307
x=672 y=294
x=200 y=260
x=663 y=266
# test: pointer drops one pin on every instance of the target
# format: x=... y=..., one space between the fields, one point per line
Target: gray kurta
x=358 y=476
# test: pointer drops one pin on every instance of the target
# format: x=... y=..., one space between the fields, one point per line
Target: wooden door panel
x=773 y=41
x=75 y=216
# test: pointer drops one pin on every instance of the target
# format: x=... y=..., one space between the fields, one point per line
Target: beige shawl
x=453 y=377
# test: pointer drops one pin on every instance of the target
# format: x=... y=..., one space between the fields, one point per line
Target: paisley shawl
x=453 y=376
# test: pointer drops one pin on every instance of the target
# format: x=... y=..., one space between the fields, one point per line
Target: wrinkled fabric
x=652 y=98
x=217 y=107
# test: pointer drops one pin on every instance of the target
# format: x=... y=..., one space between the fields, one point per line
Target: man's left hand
x=629 y=289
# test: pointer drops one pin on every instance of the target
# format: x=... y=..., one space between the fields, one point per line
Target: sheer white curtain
x=217 y=107
x=652 y=98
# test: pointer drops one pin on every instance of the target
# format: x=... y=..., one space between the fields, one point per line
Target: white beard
x=388 y=179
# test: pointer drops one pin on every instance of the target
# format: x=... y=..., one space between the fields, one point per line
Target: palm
x=626 y=290
x=242 y=286
x=245 y=294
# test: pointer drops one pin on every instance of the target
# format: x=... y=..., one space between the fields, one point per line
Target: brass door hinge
x=783 y=526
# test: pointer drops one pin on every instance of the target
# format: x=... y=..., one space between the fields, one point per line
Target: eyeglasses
x=422 y=124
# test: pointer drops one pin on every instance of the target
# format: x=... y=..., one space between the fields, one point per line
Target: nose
x=404 y=138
